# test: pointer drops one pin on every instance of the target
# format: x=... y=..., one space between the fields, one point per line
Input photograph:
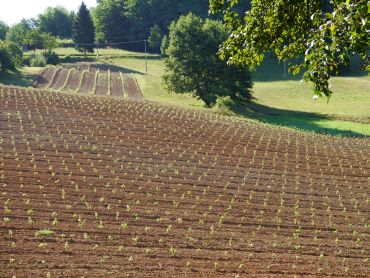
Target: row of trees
x=129 y=20
x=42 y=34
x=324 y=32
x=56 y=21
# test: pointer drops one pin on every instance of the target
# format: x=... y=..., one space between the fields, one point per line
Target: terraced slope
x=104 y=187
x=92 y=78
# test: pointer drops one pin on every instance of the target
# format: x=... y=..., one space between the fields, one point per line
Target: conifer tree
x=83 y=30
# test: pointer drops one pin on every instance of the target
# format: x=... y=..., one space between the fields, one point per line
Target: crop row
x=122 y=187
x=89 y=79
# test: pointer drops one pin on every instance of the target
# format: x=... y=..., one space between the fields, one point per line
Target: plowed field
x=106 y=187
x=90 y=79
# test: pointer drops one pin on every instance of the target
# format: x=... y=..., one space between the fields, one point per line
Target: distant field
x=279 y=98
x=89 y=78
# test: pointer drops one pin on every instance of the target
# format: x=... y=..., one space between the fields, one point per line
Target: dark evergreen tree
x=83 y=30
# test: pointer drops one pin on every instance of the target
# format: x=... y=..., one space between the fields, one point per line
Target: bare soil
x=74 y=81
x=109 y=187
x=116 y=86
x=103 y=86
x=45 y=77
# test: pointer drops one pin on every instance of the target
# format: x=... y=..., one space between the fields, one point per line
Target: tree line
x=324 y=33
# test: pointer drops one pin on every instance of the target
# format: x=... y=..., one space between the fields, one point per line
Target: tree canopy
x=83 y=30
x=192 y=64
x=324 y=32
x=129 y=20
x=3 y=30
x=18 y=32
x=110 y=21
x=57 y=21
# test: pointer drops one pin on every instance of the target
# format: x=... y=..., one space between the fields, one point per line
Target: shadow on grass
x=288 y=118
x=101 y=65
x=75 y=58
x=114 y=68
x=273 y=70
x=17 y=78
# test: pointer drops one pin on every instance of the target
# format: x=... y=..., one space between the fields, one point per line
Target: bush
x=51 y=57
x=224 y=102
x=5 y=59
x=10 y=55
x=224 y=105
x=37 y=60
x=15 y=52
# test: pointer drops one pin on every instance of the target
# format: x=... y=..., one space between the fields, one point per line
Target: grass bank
x=279 y=98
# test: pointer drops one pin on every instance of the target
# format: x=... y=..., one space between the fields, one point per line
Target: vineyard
x=110 y=187
x=97 y=79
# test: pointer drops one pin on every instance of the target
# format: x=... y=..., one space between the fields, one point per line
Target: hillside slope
x=106 y=187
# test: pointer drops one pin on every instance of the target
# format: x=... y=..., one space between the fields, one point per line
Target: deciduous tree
x=192 y=64
x=57 y=21
x=325 y=32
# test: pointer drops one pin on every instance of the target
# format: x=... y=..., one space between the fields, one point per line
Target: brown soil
x=131 y=87
x=136 y=189
x=116 y=86
x=87 y=85
x=59 y=79
x=102 y=83
x=45 y=77
x=74 y=80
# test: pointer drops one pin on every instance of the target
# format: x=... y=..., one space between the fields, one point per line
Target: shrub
x=10 y=55
x=51 y=57
x=224 y=102
x=5 y=59
x=224 y=105
x=15 y=52
x=37 y=61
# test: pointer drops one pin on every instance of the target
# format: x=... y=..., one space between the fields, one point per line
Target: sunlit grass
x=286 y=102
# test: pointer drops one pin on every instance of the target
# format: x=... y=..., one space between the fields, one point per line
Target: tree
x=127 y=20
x=57 y=21
x=155 y=38
x=83 y=30
x=325 y=32
x=18 y=32
x=3 y=30
x=192 y=64
x=110 y=22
